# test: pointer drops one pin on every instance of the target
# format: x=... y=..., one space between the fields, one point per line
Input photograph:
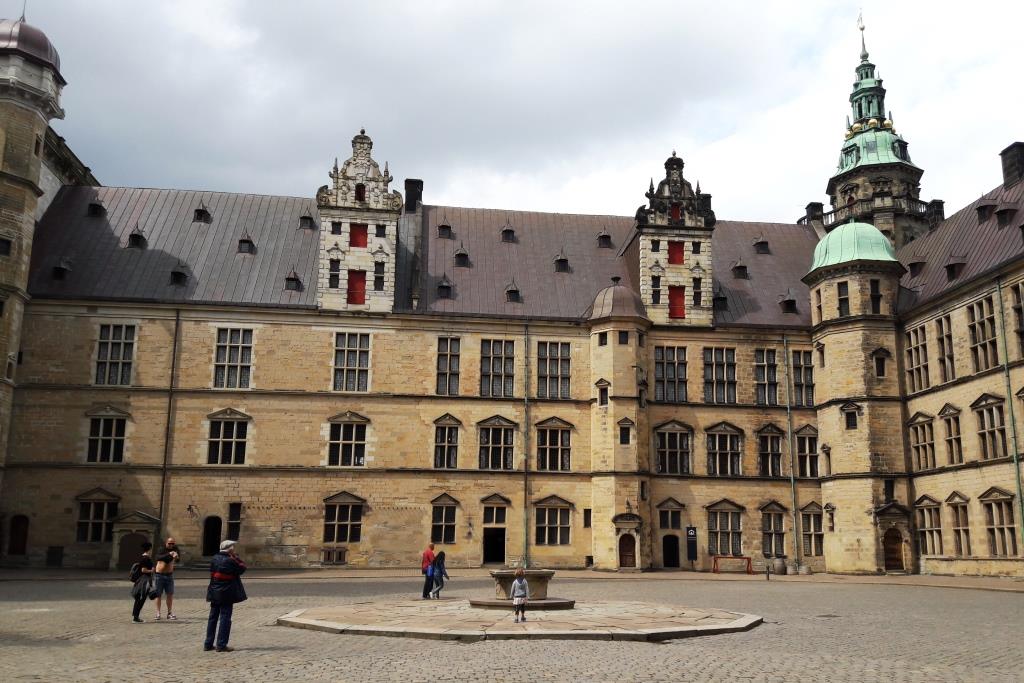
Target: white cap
x=227 y=545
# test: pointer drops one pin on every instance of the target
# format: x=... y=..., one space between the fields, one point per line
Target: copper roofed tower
x=875 y=180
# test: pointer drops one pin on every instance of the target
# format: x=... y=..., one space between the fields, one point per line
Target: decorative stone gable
x=358 y=234
x=675 y=250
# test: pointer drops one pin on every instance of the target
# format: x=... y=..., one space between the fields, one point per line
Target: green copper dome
x=852 y=242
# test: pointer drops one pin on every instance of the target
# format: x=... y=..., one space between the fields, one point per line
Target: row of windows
x=991 y=434
x=998 y=517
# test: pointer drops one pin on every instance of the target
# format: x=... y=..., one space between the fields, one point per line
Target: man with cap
x=224 y=591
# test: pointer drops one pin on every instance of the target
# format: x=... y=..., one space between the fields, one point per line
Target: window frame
x=98 y=522
x=766 y=377
x=670 y=374
x=719 y=390
x=352 y=524
x=947 y=352
x=243 y=363
x=115 y=339
x=917 y=359
x=803 y=378
x=358 y=371
x=673 y=458
x=448 y=366
x=545 y=528
x=443 y=520
x=489 y=451
x=107 y=433
x=233 y=446
x=346 y=440
x=732 y=532
x=981 y=326
x=559 y=454
x=929 y=529
x=505 y=373
x=561 y=363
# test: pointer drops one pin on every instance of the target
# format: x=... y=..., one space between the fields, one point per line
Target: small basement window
x=201 y=215
x=293 y=283
x=246 y=246
x=96 y=210
x=307 y=222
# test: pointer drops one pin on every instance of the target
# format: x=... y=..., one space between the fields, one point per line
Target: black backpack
x=135 y=573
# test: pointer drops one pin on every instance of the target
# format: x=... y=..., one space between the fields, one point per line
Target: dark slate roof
x=980 y=246
x=541 y=237
x=101 y=267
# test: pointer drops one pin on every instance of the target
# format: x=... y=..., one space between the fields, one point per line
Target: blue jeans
x=164 y=584
x=222 y=613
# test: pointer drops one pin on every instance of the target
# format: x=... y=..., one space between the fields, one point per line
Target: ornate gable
x=495 y=499
x=925 y=501
x=996 y=493
x=444 y=499
x=726 y=505
x=553 y=501
x=345 y=498
x=359 y=183
x=448 y=420
x=986 y=400
x=957 y=497
x=228 y=414
x=349 y=417
x=555 y=423
x=670 y=504
x=949 y=410
x=773 y=506
x=98 y=494
x=107 y=410
x=137 y=517
x=497 y=421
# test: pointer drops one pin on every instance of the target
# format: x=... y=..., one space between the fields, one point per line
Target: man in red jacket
x=425 y=564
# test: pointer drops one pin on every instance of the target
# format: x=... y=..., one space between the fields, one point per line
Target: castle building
x=343 y=378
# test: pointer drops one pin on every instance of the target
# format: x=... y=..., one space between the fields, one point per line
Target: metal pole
x=1009 y=401
x=168 y=429
x=792 y=450
x=526 y=448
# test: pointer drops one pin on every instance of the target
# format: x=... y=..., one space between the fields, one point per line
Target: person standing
x=520 y=594
x=143 y=582
x=426 y=567
x=169 y=556
x=440 y=574
x=223 y=593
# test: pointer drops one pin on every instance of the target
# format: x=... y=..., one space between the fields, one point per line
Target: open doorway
x=211 y=536
x=494 y=545
x=670 y=551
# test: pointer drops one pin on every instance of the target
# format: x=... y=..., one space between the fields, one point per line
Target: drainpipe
x=526 y=449
x=168 y=426
x=1010 y=401
x=792 y=450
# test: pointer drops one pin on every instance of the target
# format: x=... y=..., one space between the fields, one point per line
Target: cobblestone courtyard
x=80 y=630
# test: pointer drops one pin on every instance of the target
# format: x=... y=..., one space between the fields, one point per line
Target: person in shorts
x=166 y=560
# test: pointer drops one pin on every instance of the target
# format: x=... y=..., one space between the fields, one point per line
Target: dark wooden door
x=494 y=545
x=18 y=545
x=211 y=536
x=670 y=550
x=892 y=546
x=627 y=550
x=129 y=550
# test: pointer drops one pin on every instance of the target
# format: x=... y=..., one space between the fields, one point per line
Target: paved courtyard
x=80 y=630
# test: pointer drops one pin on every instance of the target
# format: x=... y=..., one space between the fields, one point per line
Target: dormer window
x=604 y=240
x=444 y=288
x=985 y=211
x=562 y=265
x=202 y=215
x=953 y=270
x=307 y=223
x=179 y=277
x=739 y=271
x=508 y=234
x=1004 y=215
x=61 y=270
x=720 y=302
x=137 y=240
x=461 y=257
x=444 y=231
x=96 y=210
x=246 y=246
x=761 y=246
x=916 y=267
x=513 y=295
x=788 y=303
x=292 y=283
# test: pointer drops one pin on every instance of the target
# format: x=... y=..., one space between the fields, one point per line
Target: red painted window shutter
x=675 y=253
x=677 y=212
x=677 y=302
x=357 y=235
x=357 y=286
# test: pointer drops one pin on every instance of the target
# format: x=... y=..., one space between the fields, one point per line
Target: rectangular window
x=5 y=246
x=602 y=396
x=552 y=526
x=851 y=419
x=813 y=537
x=981 y=323
x=494 y=514
x=351 y=361
x=232 y=366
x=1002 y=533
x=623 y=337
x=670 y=374
x=234 y=521
x=495 y=448
x=697 y=293
x=821 y=355
x=347 y=446
x=1018 y=315
x=553 y=361
x=944 y=335
x=343 y=523
x=624 y=436
x=991 y=432
x=356 y=292
x=961 y=529
x=448 y=366
x=917 y=359
x=676 y=302
x=876 y=296
x=695 y=246
x=724 y=533
x=929 y=530
x=553 y=450
x=357 y=235
x=334 y=276
x=766 y=377
x=335 y=227
x=954 y=448
x=96 y=521
x=719 y=375
x=817 y=303
x=922 y=444
x=442 y=524
x=655 y=245
x=676 y=253
x=586 y=517
x=673 y=452
x=106 y=439
x=497 y=368
x=378 y=277
x=446 y=447
x=769 y=455
x=670 y=519
x=724 y=455
x=843 y=298
x=382 y=230
x=803 y=379
x=807 y=455
x=226 y=445
x=879 y=365
x=773 y=536
x=114 y=353
x=602 y=339
x=655 y=289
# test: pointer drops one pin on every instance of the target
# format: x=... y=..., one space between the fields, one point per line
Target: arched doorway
x=18 y=545
x=670 y=550
x=892 y=547
x=627 y=550
x=129 y=550
x=211 y=535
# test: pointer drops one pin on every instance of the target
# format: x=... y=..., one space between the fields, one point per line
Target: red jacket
x=428 y=559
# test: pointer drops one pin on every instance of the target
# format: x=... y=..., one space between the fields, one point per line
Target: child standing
x=520 y=594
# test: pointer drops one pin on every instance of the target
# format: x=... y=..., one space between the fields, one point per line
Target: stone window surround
x=449 y=349
x=947 y=353
x=554 y=367
x=553 y=521
x=922 y=441
x=1000 y=523
x=244 y=361
x=808 y=462
x=981 y=327
x=561 y=451
x=357 y=441
x=360 y=371
x=446 y=452
x=682 y=450
x=811 y=530
x=103 y=413
x=665 y=366
x=769 y=450
x=227 y=415
x=766 y=377
x=991 y=420
x=355 y=506
x=732 y=438
x=505 y=449
x=927 y=512
x=950 y=416
x=98 y=517
x=961 y=523
x=725 y=510
x=125 y=326
x=917 y=359
x=443 y=519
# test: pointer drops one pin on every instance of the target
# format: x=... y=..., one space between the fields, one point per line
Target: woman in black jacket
x=143 y=582
x=224 y=591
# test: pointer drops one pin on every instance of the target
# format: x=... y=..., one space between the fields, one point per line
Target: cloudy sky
x=551 y=106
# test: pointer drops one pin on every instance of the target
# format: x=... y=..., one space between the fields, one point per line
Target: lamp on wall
x=193 y=511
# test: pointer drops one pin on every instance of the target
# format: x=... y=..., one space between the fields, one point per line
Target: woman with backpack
x=141 y=576
x=440 y=574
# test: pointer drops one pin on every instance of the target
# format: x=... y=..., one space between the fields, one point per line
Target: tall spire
x=863 y=47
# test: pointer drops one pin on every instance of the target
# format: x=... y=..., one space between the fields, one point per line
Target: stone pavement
x=80 y=630
x=451 y=619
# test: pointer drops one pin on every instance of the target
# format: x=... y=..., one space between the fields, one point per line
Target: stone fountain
x=536 y=579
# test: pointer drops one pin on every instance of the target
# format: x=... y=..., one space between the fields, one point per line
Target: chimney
x=413 y=194
x=1013 y=164
x=814 y=216
x=935 y=213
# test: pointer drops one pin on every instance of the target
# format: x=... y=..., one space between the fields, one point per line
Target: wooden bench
x=716 y=558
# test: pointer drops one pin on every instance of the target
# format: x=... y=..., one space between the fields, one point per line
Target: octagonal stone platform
x=455 y=619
